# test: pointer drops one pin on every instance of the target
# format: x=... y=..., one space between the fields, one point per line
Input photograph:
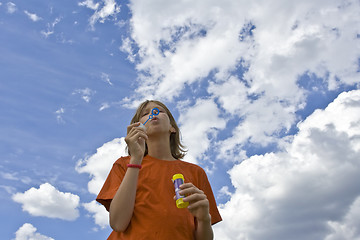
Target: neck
x=160 y=148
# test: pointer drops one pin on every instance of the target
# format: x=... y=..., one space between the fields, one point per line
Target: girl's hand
x=198 y=202
x=135 y=140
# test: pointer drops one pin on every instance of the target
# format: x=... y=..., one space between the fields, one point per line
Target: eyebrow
x=147 y=109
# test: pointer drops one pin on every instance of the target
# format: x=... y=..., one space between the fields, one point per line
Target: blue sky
x=271 y=89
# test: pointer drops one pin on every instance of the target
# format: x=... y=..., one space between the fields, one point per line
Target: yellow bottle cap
x=177 y=176
x=181 y=204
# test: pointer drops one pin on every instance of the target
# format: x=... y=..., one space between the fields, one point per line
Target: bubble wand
x=154 y=112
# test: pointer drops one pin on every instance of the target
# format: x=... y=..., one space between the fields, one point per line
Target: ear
x=172 y=130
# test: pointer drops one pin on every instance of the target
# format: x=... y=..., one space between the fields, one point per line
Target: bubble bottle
x=178 y=179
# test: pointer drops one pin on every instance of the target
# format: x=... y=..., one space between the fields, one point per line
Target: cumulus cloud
x=33 y=16
x=99 y=164
x=100 y=215
x=47 y=201
x=98 y=167
x=183 y=44
x=28 y=232
x=251 y=58
x=309 y=190
x=348 y=227
x=103 y=11
x=204 y=117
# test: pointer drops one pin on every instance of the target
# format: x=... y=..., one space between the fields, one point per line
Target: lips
x=154 y=119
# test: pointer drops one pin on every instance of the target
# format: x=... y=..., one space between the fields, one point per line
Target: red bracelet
x=134 y=166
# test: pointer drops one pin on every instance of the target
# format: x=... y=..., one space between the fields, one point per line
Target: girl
x=139 y=192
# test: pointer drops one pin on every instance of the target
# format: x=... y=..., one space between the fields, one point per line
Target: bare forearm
x=122 y=205
x=204 y=231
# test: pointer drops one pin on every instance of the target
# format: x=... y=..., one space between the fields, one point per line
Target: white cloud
x=28 y=232
x=104 y=106
x=127 y=48
x=13 y=176
x=108 y=9
x=33 y=16
x=260 y=118
x=205 y=117
x=98 y=167
x=59 y=115
x=9 y=176
x=308 y=191
x=106 y=78
x=99 y=164
x=232 y=94
x=85 y=93
x=11 y=7
x=100 y=215
x=9 y=189
x=246 y=47
x=348 y=228
x=89 y=4
x=50 y=28
x=47 y=201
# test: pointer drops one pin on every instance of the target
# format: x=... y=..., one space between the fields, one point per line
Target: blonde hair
x=177 y=149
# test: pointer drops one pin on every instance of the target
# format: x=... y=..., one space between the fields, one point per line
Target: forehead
x=152 y=105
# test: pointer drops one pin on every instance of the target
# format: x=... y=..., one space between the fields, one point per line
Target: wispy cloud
x=108 y=9
x=59 y=115
x=85 y=93
x=33 y=16
x=89 y=4
x=127 y=48
x=106 y=78
x=11 y=7
x=50 y=28
x=104 y=106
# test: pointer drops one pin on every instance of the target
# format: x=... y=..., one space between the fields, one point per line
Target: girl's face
x=159 y=123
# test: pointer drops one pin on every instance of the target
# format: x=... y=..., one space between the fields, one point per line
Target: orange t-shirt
x=155 y=213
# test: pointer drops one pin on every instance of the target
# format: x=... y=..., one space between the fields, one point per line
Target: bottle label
x=177 y=183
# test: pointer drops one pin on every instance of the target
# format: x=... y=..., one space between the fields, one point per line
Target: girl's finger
x=131 y=126
x=199 y=204
x=190 y=190
x=195 y=197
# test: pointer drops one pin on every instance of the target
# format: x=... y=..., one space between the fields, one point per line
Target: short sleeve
x=112 y=183
x=206 y=188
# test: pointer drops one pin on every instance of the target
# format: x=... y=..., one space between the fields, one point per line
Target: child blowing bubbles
x=139 y=193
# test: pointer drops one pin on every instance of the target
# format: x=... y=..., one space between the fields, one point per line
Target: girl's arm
x=204 y=230
x=122 y=205
x=199 y=207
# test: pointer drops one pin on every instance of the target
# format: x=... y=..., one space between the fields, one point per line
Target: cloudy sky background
x=271 y=88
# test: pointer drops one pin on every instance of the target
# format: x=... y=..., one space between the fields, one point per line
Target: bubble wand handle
x=154 y=112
